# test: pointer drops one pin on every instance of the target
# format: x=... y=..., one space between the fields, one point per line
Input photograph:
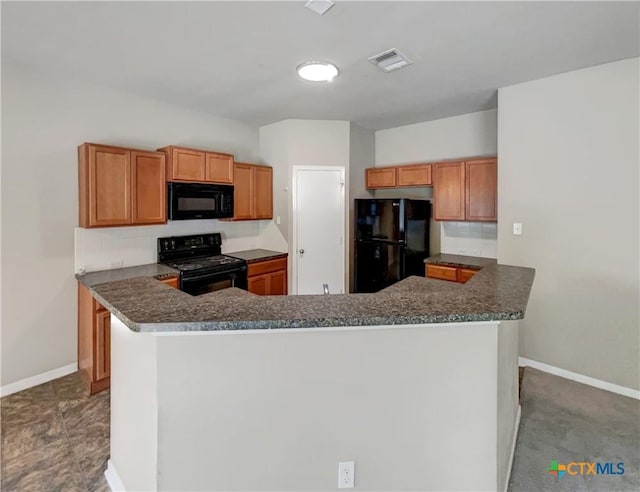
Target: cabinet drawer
x=171 y=282
x=417 y=175
x=464 y=274
x=268 y=266
x=442 y=272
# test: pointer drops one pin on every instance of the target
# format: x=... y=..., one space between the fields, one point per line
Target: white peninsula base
x=416 y=407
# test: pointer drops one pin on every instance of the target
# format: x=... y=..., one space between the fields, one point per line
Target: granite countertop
x=497 y=292
x=459 y=261
x=154 y=270
x=256 y=255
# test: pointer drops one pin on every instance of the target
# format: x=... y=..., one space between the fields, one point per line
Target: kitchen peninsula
x=416 y=384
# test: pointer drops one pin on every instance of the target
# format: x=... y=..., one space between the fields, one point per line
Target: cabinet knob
x=301 y=252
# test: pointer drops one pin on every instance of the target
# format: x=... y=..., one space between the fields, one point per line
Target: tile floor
x=54 y=437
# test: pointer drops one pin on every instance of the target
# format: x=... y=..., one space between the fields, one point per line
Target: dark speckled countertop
x=497 y=292
x=256 y=255
x=154 y=270
x=459 y=261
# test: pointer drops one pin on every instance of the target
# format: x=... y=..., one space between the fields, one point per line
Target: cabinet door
x=442 y=272
x=278 y=283
x=449 y=191
x=482 y=190
x=417 y=175
x=102 y=345
x=148 y=188
x=109 y=176
x=243 y=191
x=218 y=168
x=263 y=192
x=258 y=284
x=382 y=177
x=187 y=165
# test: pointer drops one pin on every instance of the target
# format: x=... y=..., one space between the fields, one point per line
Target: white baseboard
x=513 y=448
x=113 y=479
x=574 y=376
x=45 y=377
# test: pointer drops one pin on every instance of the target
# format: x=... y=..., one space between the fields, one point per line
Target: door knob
x=301 y=252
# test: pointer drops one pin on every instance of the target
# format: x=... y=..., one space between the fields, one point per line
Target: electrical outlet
x=346 y=474
x=517 y=229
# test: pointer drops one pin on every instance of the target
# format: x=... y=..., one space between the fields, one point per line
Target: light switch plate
x=517 y=229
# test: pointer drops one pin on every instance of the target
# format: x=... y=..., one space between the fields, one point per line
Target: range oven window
x=204 y=283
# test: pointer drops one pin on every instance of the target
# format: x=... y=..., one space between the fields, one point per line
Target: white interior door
x=318 y=221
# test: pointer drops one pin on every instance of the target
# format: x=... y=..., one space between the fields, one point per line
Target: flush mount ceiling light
x=318 y=71
x=319 y=6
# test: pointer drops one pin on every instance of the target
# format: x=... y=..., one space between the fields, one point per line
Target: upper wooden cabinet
x=200 y=166
x=414 y=175
x=466 y=190
x=398 y=176
x=119 y=186
x=263 y=192
x=381 y=177
x=148 y=184
x=253 y=192
x=481 y=190
x=449 y=189
x=218 y=168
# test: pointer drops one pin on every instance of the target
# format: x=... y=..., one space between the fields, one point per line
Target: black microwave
x=199 y=201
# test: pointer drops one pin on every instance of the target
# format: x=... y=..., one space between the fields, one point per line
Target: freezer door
x=380 y=219
x=378 y=265
x=418 y=213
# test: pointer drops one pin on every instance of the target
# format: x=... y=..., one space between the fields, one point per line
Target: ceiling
x=238 y=59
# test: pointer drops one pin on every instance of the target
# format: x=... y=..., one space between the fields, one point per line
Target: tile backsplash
x=116 y=247
x=469 y=238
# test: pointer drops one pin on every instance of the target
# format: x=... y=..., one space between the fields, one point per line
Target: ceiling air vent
x=390 y=60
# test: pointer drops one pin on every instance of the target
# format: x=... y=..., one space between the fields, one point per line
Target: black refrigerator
x=392 y=241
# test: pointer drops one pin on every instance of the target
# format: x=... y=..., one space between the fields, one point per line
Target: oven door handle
x=213 y=274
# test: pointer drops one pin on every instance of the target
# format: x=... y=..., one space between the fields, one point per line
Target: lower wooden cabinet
x=171 y=282
x=465 y=274
x=452 y=274
x=94 y=339
x=268 y=278
x=94 y=342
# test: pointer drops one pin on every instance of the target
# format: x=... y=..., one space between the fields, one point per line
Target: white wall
x=467 y=135
x=568 y=171
x=448 y=138
x=291 y=143
x=43 y=122
x=264 y=410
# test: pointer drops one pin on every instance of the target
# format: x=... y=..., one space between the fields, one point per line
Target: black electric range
x=201 y=265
